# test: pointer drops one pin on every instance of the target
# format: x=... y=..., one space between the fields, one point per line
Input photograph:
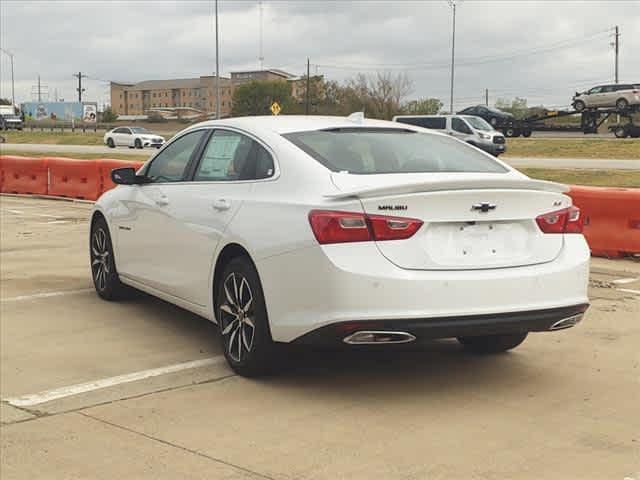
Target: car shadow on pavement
x=439 y=364
x=432 y=366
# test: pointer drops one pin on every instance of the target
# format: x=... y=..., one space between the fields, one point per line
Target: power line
x=479 y=60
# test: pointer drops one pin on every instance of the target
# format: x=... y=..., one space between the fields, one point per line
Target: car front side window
x=171 y=164
x=460 y=126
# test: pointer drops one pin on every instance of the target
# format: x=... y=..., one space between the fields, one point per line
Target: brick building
x=194 y=93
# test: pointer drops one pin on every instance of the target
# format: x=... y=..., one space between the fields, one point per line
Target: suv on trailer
x=473 y=130
x=620 y=96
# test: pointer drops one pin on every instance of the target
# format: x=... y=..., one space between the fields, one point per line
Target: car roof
x=283 y=124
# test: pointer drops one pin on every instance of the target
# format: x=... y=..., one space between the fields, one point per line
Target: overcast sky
x=541 y=50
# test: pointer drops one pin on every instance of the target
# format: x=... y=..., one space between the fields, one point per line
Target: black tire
x=111 y=143
x=103 y=267
x=622 y=104
x=526 y=133
x=492 y=343
x=242 y=317
x=620 y=132
x=138 y=143
x=493 y=121
x=579 y=105
x=510 y=132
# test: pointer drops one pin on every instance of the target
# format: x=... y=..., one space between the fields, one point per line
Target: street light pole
x=453 y=5
x=217 y=66
x=13 y=87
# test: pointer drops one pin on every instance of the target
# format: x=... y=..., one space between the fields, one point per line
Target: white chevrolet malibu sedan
x=343 y=231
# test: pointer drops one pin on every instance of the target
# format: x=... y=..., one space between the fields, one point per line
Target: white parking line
x=624 y=281
x=45 y=295
x=57 y=393
x=628 y=290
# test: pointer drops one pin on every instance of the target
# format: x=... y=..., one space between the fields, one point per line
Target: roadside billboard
x=63 y=111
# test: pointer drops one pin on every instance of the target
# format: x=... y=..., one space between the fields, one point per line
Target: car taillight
x=567 y=220
x=342 y=227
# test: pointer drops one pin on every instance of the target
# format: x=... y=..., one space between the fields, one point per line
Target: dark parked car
x=497 y=118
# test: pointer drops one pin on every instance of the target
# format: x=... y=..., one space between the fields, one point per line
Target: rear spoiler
x=448 y=185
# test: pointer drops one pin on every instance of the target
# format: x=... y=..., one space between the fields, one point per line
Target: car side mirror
x=127 y=176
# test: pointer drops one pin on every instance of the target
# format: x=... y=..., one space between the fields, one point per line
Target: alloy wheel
x=622 y=104
x=236 y=316
x=100 y=258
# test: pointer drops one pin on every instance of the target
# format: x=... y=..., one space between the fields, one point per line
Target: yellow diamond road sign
x=275 y=108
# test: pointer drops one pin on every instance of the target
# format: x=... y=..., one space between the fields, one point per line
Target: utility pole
x=261 y=57
x=453 y=5
x=39 y=90
x=217 y=66
x=79 y=76
x=308 y=103
x=13 y=89
x=486 y=97
x=617 y=48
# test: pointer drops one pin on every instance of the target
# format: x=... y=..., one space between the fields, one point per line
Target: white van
x=470 y=129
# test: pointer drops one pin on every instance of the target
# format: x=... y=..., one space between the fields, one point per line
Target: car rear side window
x=434 y=123
x=171 y=163
x=231 y=156
x=376 y=151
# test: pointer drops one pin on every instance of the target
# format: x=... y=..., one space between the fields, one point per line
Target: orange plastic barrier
x=74 y=178
x=106 y=165
x=23 y=175
x=612 y=219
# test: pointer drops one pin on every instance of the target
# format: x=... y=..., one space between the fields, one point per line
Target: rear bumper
x=311 y=288
x=448 y=327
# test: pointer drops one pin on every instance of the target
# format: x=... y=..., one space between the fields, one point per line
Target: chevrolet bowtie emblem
x=483 y=207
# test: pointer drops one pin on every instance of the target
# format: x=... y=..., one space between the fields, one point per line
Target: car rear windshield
x=376 y=151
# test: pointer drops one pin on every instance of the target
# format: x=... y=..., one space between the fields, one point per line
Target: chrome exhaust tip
x=369 y=337
x=567 y=322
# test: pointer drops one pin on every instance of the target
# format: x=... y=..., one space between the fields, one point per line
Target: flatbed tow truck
x=590 y=120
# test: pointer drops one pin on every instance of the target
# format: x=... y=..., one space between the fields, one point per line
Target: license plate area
x=477 y=244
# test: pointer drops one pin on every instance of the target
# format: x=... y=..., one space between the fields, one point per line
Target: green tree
x=422 y=106
x=517 y=107
x=256 y=98
x=108 y=115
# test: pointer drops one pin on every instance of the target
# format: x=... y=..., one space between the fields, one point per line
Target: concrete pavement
x=571 y=163
x=93 y=149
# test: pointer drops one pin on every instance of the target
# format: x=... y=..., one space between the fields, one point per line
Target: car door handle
x=222 y=204
x=162 y=201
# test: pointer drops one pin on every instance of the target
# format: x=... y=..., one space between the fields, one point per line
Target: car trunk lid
x=471 y=221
